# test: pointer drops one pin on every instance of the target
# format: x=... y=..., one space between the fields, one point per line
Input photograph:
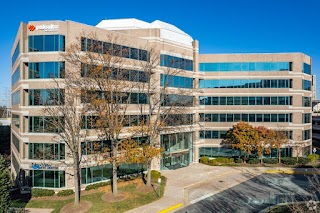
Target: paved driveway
x=250 y=196
x=189 y=184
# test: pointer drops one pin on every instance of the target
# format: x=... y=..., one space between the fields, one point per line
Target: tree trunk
x=77 y=184
x=149 y=174
x=114 y=179
x=261 y=159
x=245 y=158
x=279 y=155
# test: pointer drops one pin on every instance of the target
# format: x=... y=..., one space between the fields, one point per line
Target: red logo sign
x=31 y=27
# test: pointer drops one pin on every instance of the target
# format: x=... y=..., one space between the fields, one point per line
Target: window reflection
x=245 y=66
x=246 y=83
x=205 y=117
x=43 y=43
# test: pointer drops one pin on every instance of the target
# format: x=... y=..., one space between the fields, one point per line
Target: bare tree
x=107 y=92
x=64 y=118
x=298 y=146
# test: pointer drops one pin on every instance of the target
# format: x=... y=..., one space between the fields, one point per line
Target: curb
x=290 y=172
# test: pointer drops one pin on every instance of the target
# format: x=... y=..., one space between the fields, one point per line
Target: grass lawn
x=134 y=200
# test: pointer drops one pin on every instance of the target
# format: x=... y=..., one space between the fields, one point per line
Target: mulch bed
x=83 y=207
x=109 y=197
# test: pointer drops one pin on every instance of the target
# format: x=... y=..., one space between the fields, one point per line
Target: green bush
x=224 y=160
x=97 y=185
x=66 y=192
x=303 y=160
x=220 y=160
x=42 y=192
x=288 y=161
x=253 y=161
x=270 y=160
x=204 y=160
x=313 y=157
x=213 y=162
x=239 y=160
x=155 y=174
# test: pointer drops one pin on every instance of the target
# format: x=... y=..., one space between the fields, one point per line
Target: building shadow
x=254 y=195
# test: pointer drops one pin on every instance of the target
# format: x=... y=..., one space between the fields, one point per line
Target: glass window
x=245 y=66
x=47 y=178
x=245 y=83
x=252 y=118
x=176 y=62
x=259 y=101
x=306 y=101
x=143 y=56
x=274 y=83
x=215 y=117
x=266 y=118
x=244 y=100
x=15 y=99
x=306 y=85
x=281 y=100
x=229 y=117
x=125 y=52
x=108 y=49
x=252 y=101
x=259 y=117
x=229 y=100
x=282 y=83
x=46 y=70
x=117 y=50
x=201 y=134
x=266 y=101
x=42 y=43
x=214 y=134
x=207 y=134
x=214 y=100
x=16 y=76
x=237 y=117
x=208 y=118
x=222 y=117
x=223 y=100
x=39 y=97
x=134 y=53
x=244 y=117
x=274 y=117
x=282 y=118
x=237 y=100
x=16 y=53
x=306 y=68
x=274 y=100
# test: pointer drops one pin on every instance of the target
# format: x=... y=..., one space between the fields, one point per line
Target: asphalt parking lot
x=252 y=195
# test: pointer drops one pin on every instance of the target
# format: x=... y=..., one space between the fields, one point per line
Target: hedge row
x=97 y=185
x=66 y=192
x=42 y=192
x=216 y=161
x=286 y=160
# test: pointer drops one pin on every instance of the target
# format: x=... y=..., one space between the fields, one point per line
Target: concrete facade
x=144 y=39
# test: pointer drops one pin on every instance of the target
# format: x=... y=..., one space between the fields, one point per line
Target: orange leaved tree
x=244 y=137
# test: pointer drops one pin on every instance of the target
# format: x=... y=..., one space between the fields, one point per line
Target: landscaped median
x=134 y=194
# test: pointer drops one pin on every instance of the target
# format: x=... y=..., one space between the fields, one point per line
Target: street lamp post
x=159 y=185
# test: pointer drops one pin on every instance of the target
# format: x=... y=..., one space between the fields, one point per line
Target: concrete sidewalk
x=189 y=183
x=36 y=210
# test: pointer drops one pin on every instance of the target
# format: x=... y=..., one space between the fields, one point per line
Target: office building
x=272 y=90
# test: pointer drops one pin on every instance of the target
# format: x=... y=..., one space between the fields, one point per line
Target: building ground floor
x=179 y=150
